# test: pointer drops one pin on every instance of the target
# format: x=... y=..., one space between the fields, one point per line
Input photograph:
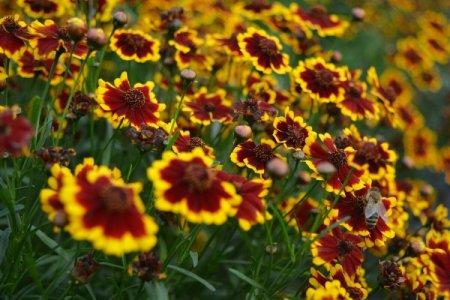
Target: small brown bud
x=55 y=155
x=147 y=266
x=243 y=131
x=326 y=168
x=358 y=14
x=77 y=28
x=336 y=56
x=277 y=167
x=390 y=274
x=120 y=19
x=84 y=268
x=303 y=178
x=96 y=38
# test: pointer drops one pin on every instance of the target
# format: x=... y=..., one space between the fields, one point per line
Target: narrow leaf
x=193 y=276
x=246 y=279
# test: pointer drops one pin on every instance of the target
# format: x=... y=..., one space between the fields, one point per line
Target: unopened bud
x=243 y=131
x=408 y=162
x=426 y=190
x=358 y=14
x=303 y=178
x=84 y=268
x=272 y=248
x=120 y=19
x=96 y=38
x=277 y=167
x=299 y=154
x=188 y=74
x=77 y=28
x=326 y=168
x=336 y=56
x=60 y=219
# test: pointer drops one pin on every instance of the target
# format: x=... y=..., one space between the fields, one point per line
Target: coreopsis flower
x=48 y=38
x=398 y=83
x=420 y=146
x=264 y=51
x=147 y=266
x=355 y=286
x=318 y=19
x=406 y=116
x=299 y=214
x=228 y=44
x=106 y=211
x=253 y=109
x=254 y=10
x=124 y=104
x=434 y=23
x=185 y=183
x=371 y=155
x=85 y=267
x=104 y=10
x=205 y=107
x=320 y=80
x=51 y=197
x=325 y=151
x=13 y=36
x=330 y=290
x=356 y=104
x=390 y=275
x=188 y=50
x=353 y=205
x=254 y=156
x=436 y=218
x=444 y=162
x=263 y=91
x=410 y=55
x=408 y=191
x=252 y=209
x=292 y=131
x=15 y=133
x=133 y=44
x=428 y=80
x=29 y=65
x=338 y=247
x=186 y=143
x=436 y=47
x=439 y=260
x=42 y=8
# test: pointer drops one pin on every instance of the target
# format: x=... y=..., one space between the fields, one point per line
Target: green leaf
x=5 y=212
x=194 y=257
x=4 y=242
x=193 y=276
x=52 y=244
x=246 y=279
x=156 y=290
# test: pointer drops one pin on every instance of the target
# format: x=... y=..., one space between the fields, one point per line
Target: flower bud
x=84 y=268
x=277 y=167
x=96 y=38
x=390 y=275
x=303 y=178
x=408 y=162
x=336 y=56
x=299 y=154
x=120 y=19
x=243 y=131
x=188 y=75
x=77 y=28
x=358 y=14
x=326 y=168
x=147 y=266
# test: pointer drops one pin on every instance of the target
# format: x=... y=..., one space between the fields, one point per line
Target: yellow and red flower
x=353 y=205
x=299 y=214
x=106 y=211
x=420 y=146
x=292 y=131
x=132 y=44
x=434 y=23
x=205 y=107
x=186 y=143
x=186 y=183
x=264 y=51
x=410 y=55
x=51 y=197
x=317 y=18
x=322 y=81
x=331 y=290
x=15 y=133
x=252 y=209
x=253 y=109
x=254 y=156
x=428 y=80
x=44 y=9
x=13 y=36
x=344 y=177
x=444 y=162
x=355 y=103
x=338 y=247
x=49 y=38
x=436 y=46
x=123 y=104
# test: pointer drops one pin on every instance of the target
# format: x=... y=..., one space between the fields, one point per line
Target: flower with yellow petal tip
x=13 y=36
x=186 y=183
x=42 y=9
x=420 y=146
x=331 y=291
x=133 y=44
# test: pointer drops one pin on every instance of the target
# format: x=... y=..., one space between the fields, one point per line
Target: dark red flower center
x=210 y=107
x=338 y=158
x=198 y=177
x=427 y=77
x=413 y=56
x=355 y=293
x=115 y=199
x=63 y=34
x=296 y=135
x=319 y=12
x=263 y=152
x=135 y=41
x=195 y=142
x=4 y=130
x=134 y=98
x=38 y=5
x=344 y=247
x=360 y=203
x=268 y=46
x=354 y=92
x=390 y=94
x=324 y=78
x=342 y=142
x=10 y=25
x=369 y=151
